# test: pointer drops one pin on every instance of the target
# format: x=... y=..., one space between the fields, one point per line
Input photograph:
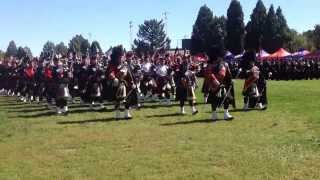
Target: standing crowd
x=286 y=69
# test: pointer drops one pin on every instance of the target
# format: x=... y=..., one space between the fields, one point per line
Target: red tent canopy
x=200 y=57
x=281 y=53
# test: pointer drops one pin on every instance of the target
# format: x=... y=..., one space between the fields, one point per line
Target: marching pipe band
x=129 y=81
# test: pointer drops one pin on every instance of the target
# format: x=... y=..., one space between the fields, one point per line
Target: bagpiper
x=120 y=87
x=163 y=82
x=219 y=79
x=29 y=79
x=94 y=84
x=61 y=79
x=40 y=82
x=254 y=90
x=186 y=83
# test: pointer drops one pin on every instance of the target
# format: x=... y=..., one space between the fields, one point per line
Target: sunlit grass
x=280 y=143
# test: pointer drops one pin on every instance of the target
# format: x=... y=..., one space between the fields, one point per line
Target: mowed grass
x=280 y=143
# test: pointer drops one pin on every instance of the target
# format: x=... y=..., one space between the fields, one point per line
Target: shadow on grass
x=205 y=121
x=20 y=106
x=153 y=106
x=105 y=120
x=253 y=109
x=235 y=110
x=79 y=111
x=51 y=113
x=28 y=110
x=165 y=115
x=6 y=104
x=43 y=114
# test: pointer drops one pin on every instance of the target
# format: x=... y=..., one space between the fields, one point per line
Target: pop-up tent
x=281 y=53
x=239 y=56
x=301 y=53
x=262 y=54
x=315 y=54
x=229 y=56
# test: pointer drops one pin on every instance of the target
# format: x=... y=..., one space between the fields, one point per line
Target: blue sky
x=33 y=22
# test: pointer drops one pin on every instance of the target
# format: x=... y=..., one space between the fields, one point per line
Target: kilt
x=181 y=93
x=216 y=97
x=161 y=82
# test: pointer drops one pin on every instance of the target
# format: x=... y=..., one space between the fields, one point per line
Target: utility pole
x=165 y=15
x=130 y=31
x=90 y=37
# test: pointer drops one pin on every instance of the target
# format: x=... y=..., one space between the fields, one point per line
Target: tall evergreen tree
x=12 y=49
x=95 y=48
x=151 y=36
x=21 y=53
x=24 y=52
x=235 y=28
x=255 y=27
x=85 y=46
x=201 y=30
x=270 y=33
x=283 y=33
x=216 y=39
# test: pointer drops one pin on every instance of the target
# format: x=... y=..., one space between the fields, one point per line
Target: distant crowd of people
x=302 y=69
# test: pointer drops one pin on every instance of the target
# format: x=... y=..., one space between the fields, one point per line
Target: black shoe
x=195 y=113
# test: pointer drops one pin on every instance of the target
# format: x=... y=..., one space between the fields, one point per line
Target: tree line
x=266 y=30
x=150 y=37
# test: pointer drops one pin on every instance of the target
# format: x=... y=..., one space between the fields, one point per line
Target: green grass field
x=280 y=143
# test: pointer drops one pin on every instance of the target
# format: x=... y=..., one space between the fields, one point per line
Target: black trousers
x=61 y=102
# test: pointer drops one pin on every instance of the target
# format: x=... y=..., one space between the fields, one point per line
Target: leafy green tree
x=151 y=36
x=235 y=28
x=12 y=49
x=48 y=50
x=316 y=37
x=255 y=27
x=2 y=55
x=308 y=36
x=270 y=33
x=79 y=45
x=297 y=41
x=61 y=49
